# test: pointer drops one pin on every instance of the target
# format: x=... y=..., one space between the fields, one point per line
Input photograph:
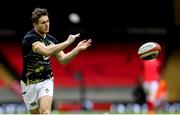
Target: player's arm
x=42 y=49
x=65 y=58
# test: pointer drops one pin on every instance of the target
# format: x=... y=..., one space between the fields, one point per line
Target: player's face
x=43 y=25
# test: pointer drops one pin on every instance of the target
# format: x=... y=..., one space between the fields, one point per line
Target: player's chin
x=46 y=31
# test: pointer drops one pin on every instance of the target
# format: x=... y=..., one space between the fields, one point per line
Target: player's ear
x=34 y=25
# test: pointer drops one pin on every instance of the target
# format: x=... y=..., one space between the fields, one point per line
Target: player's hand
x=82 y=45
x=72 y=38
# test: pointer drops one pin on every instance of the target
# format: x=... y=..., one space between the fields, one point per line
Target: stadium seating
x=103 y=65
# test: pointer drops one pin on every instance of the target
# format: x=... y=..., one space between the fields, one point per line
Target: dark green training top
x=35 y=66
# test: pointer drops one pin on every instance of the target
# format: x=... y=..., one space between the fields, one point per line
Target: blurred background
x=104 y=77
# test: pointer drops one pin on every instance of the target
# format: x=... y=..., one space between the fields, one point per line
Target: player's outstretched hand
x=82 y=45
x=72 y=38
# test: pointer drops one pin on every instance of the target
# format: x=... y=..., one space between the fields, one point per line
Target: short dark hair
x=37 y=13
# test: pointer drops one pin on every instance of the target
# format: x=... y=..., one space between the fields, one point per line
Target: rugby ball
x=149 y=50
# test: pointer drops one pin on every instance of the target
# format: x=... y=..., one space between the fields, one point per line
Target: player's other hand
x=82 y=45
x=72 y=38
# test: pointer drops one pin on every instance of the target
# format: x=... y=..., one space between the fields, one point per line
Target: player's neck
x=42 y=35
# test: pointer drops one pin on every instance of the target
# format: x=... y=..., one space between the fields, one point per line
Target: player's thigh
x=45 y=95
x=45 y=103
